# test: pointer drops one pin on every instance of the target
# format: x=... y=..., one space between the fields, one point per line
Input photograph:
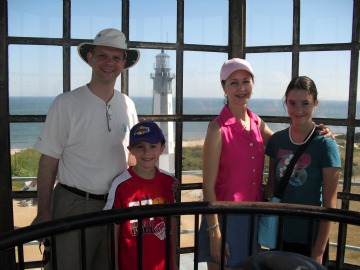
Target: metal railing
x=18 y=238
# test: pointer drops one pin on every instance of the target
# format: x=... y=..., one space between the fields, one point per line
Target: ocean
x=23 y=135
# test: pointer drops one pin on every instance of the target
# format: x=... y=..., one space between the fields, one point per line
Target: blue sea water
x=23 y=135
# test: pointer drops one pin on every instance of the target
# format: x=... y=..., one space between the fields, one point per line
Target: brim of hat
x=148 y=140
x=132 y=58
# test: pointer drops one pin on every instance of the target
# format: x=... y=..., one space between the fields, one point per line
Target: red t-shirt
x=137 y=191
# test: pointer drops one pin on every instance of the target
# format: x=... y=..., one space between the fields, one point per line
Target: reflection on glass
x=324 y=21
x=35 y=70
x=269 y=22
x=209 y=26
x=153 y=21
x=36 y=18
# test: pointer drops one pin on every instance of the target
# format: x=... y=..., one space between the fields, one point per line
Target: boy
x=143 y=184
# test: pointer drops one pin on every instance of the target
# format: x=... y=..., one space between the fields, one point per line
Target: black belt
x=79 y=192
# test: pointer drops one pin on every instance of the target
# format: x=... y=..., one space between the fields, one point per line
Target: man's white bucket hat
x=110 y=38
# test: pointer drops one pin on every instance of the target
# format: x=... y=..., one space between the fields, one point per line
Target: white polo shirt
x=76 y=132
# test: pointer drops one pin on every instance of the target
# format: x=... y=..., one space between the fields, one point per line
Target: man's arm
x=45 y=183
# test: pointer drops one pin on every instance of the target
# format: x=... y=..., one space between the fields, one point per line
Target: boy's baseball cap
x=110 y=38
x=146 y=131
x=234 y=64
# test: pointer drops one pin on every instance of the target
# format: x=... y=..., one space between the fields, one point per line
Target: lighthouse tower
x=162 y=104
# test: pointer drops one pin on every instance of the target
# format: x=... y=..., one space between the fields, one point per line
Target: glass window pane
x=203 y=105
x=153 y=21
x=23 y=136
x=352 y=252
x=35 y=18
x=206 y=23
x=358 y=94
x=24 y=213
x=167 y=158
x=333 y=239
x=22 y=105
x=152 y=82
x=193 y=140
x=269 y=22
x=80 y=71
x=88 y=17
x=332 y=83
x=202 y=80
x=326 y=21
x=35 y=70
x=272 y=74
x=355 y=181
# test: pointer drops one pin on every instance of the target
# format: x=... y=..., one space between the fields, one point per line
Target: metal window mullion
x=21 y=257
x=83 y=248
x=168 y=254
x=125 y=28
x=296 y=39
x=237 y=28
x=179 y=95
x=196 y=241
x=139 y=243
x=224 y=217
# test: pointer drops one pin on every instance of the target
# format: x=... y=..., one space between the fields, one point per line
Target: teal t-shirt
x=306 y=181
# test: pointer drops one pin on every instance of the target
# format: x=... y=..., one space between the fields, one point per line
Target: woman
x=233 y=162
x=315 y=176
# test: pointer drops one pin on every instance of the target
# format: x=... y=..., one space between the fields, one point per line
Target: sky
x=37 y=70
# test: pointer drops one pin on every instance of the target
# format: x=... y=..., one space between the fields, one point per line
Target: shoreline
x=185 y=143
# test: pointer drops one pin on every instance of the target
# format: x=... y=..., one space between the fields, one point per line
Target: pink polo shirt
x=242 y=159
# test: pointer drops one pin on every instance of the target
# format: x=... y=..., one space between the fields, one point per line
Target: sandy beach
x=25 y=211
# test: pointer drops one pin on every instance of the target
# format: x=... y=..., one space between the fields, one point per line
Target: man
x=83 y=145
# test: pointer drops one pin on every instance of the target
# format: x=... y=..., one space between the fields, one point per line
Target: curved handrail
x=39 y=231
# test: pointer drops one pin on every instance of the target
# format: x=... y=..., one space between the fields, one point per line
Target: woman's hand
x=317 y=254
x=215 y=246
x=326 y=131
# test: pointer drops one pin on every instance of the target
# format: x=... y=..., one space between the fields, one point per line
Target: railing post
x=7 y=259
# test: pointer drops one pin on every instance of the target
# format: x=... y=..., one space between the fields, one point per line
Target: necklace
x=307 y=137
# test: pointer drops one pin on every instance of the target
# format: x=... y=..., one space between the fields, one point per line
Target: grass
x=192 y=160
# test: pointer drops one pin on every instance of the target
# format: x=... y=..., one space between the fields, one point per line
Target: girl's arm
x=266 y=132
x=330 y=184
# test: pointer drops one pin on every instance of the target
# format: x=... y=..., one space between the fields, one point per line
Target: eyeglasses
x=108 y=116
